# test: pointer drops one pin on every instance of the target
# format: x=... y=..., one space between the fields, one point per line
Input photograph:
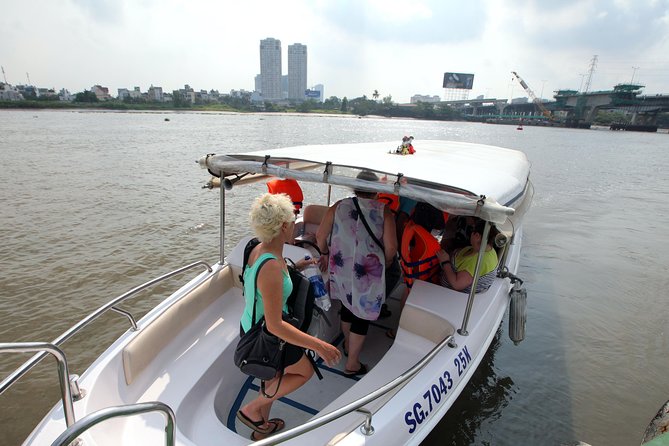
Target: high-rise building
x=284 y=86
x=297 y=71
x=270 y=68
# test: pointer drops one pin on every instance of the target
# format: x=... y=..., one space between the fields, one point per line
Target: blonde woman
x=272 y=219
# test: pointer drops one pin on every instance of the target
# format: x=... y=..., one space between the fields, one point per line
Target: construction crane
x=3 y=74
x=530 y=93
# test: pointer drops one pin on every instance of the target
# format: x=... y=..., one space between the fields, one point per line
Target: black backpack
x=301 y=300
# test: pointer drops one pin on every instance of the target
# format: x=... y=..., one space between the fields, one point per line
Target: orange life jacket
x=390 y=200
x=418 y=252
x=289 y=187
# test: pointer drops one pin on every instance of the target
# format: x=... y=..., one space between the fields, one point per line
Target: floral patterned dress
x=357 y=262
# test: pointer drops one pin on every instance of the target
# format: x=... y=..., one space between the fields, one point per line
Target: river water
x=94 y=204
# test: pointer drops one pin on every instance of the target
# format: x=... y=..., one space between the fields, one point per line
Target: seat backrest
x=313 y=215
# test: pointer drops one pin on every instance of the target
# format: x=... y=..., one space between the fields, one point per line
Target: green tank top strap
x=251 y=280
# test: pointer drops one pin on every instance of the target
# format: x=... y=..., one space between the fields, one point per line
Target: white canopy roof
x=449 y=175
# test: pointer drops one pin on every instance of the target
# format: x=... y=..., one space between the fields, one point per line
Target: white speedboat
x=170 y=377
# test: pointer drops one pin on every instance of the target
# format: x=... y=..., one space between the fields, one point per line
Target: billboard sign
x=312 y=94
x=463 y=81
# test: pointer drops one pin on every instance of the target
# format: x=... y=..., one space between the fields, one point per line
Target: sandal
x=361 y=371
x=274 y=422
x=255 y=425
x=278 y=422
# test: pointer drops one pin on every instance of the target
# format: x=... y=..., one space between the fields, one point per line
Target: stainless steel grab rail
x=70 y=434
x=18 y=373
x=354 y=406
x=63 y=373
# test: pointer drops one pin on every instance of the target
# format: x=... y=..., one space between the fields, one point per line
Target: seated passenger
x=457 y=233
x=458 y=274
x=418 y=247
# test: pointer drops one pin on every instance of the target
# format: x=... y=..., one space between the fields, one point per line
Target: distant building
x=135 y=93
x=9 y=93
x=240 y=94
x=284 y=86
x=122 y=94
x=519 y=101
x=155 y=94
x=46 y=93
x=65 y=95
x=258 y=83
x=102 y=93
x=270 y=69
x=27 y=91
x=186 y=94
x=424 y=98
x=297 y=71
x=256 y=97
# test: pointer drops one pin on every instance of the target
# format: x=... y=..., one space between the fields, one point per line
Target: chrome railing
x=77 y=428
x=63 y=372
x=366 y=428
x=72 y=432
x=22 y=370
x=472 y=292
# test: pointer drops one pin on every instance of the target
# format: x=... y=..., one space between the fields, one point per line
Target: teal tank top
x=249 y=284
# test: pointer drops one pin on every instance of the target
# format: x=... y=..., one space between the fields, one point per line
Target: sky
x=399 y=48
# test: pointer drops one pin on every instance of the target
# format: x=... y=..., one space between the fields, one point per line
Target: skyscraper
x=270 y=68
x=297 y=71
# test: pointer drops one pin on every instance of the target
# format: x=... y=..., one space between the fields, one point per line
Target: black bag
x=259 y=353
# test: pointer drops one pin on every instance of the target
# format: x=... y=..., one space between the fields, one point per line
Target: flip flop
x=264 y=435
x=361 y=371
x=280 y=424
x=255 y=425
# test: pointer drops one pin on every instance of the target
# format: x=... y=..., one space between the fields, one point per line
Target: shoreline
x=113 y=108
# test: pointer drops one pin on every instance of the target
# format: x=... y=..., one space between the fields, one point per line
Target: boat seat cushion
x=155 y=336
x=422 y=314
x=313 y=215
x=425 y=324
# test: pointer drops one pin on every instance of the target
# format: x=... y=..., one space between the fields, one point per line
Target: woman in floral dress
x=357 y=258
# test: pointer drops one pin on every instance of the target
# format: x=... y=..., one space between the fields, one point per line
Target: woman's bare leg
x=293 y=378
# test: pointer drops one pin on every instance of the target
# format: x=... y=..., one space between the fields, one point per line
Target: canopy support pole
x=222 y=229
x=472 y=292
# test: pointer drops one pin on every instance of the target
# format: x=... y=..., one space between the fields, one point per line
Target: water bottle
x=322 y=298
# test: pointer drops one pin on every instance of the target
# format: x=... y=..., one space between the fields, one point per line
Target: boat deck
x=313 y=397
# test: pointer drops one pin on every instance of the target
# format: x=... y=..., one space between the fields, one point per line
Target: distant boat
x=167 y=119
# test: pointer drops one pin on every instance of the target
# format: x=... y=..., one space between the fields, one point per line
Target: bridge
x=571 y=108
x=580 y=109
